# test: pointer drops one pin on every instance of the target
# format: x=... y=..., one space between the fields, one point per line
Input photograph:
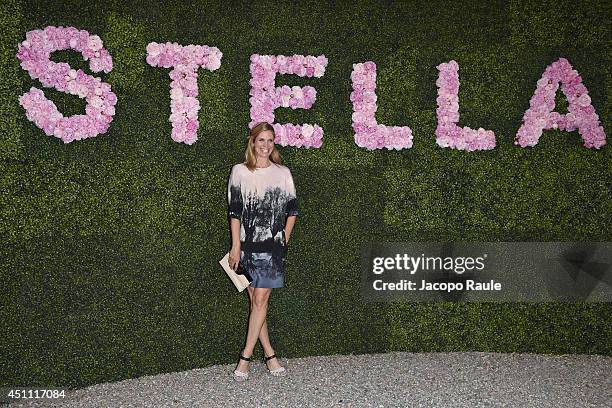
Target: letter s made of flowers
x=34 y=54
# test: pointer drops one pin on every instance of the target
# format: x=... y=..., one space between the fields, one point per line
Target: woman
x=262 y=211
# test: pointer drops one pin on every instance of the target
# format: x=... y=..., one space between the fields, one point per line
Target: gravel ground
x=379 y=380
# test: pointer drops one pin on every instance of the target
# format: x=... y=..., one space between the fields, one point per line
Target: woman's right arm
x=234 y=197
x=234 y=255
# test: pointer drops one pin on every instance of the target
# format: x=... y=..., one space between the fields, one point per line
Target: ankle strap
x=270 y=358
x=245 y=358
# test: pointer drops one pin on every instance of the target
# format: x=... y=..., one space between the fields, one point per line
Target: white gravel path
x=377 y=380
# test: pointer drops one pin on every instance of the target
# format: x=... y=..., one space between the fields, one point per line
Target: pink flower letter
x=34 y=54
x=448 y=134
x=266 y=97
x=368 y=133
x=184 y=103
x=540 y=115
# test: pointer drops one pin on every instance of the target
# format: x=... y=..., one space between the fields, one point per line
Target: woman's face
x=264 y=144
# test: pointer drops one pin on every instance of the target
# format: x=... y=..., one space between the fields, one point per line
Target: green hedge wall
x=110 y=245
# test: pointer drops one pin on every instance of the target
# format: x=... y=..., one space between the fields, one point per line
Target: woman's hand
x=234 y=257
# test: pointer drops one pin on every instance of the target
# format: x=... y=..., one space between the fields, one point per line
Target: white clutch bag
x=241 y=279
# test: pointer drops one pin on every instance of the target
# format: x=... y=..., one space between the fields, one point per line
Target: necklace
x=263 y=167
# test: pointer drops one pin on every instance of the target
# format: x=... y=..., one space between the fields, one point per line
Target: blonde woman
x=262 y=212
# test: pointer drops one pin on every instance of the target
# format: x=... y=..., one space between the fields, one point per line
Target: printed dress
x=262 y=200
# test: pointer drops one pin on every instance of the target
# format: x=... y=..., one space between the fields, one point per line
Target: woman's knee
x=259 y=298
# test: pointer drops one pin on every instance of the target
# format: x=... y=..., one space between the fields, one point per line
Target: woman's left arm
x=289 y=227
x=292 y=206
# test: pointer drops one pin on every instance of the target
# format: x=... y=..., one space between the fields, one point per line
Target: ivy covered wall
x=109 y=246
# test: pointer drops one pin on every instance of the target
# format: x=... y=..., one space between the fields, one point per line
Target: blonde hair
x=249 y=154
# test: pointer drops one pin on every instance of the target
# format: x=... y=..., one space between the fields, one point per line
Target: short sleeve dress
x=262 y=200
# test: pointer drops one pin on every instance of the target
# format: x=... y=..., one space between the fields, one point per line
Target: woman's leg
x=264 y=338
x=259 y=309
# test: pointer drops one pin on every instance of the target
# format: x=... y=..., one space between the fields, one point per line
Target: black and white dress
x=262 y=200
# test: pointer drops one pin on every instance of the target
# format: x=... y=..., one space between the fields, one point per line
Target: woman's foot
x=241 y=372
x=273 y=365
